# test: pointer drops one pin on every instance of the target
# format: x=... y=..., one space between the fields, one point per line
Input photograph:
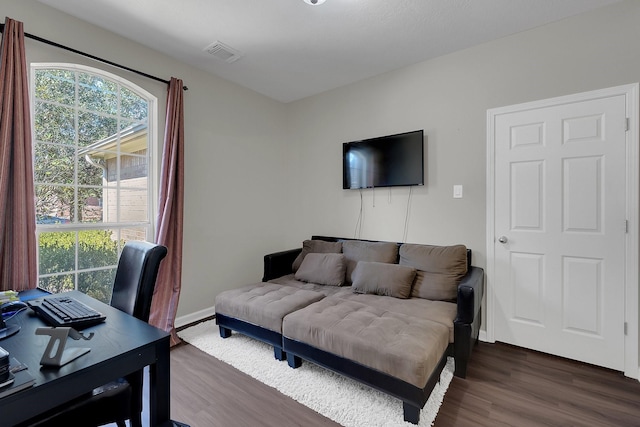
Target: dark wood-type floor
x=206 y=392
x=505 y=386
x=511 y=386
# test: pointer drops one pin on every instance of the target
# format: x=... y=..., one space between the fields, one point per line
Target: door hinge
x=626 y=226
x=625 y=328
x=626 y=124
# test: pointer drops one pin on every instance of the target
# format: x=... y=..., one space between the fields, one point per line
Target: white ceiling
x=292 y=50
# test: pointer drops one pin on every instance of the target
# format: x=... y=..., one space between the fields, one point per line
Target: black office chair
x=119 y=400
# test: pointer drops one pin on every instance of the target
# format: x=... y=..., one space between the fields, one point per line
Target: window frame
x=152 y=167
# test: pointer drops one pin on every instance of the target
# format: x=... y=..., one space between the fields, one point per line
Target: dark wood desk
x=120 y=345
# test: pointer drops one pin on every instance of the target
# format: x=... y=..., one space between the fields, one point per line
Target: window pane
x=134 y=233
x=54 y=123
x=90 y=205
x=94 y=128
x=127 y=126
x=90 y=170
x=54 y=204
x=111 y=172
x=133 y=205
x=54 y=164
x=133 y=169
x=110 y=204
x=97 y=284
x=57 y=252
x=97 y=94
x=97 y=248
x=56 y=85
x=133 y=106
x=57 y=284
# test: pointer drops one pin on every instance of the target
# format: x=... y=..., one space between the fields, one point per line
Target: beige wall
x=262 y=176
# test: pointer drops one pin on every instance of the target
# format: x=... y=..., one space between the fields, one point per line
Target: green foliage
x=57 y=284
x=57 y=252
x=96 y=249
x=97 y=284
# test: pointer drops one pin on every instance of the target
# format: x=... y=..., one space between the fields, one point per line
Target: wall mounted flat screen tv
x=386 y=161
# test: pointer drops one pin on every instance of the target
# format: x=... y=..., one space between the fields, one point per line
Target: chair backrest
x=136 y=278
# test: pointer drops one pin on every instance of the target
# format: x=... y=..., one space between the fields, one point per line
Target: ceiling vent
x=223 y=52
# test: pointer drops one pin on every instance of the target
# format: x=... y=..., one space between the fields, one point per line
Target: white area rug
x=343 y=400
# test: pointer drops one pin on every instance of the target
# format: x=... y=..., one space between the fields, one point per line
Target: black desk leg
x=159 y=387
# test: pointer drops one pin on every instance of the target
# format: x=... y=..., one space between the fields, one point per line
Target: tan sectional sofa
x=383 y=313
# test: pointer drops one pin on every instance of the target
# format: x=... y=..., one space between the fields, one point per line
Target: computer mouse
x=12 y=306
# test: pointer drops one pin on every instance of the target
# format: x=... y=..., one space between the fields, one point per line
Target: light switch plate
x=457 y=191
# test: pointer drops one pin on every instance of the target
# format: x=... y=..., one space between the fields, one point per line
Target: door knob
x=503 y=239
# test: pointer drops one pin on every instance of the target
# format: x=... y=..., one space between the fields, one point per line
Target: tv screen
x=387 y=161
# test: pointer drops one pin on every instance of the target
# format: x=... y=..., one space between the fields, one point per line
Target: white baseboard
x=195 y=317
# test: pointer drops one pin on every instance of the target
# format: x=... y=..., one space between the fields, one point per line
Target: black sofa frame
x=466 y=330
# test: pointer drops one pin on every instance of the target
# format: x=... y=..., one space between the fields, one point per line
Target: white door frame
x=632 y=303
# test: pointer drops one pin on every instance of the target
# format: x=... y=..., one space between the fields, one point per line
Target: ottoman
x=393 y=352
x=257 y=311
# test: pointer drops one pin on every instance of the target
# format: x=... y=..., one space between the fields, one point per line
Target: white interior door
x=560 y=227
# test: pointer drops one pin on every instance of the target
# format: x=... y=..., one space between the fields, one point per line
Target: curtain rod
x=70 y=49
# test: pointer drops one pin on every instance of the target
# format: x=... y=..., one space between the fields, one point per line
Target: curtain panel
x=169 y=222
x=18 y=263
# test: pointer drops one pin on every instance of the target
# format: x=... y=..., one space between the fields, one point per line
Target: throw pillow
x=359 y=250
x=439 y=269
x=383 y=279
x=315 y=246
x=323 y=269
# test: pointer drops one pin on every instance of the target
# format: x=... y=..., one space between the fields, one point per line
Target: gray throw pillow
x=322 y=269
x=379 y=278
x=359 y=250
x=439 y=269
x=315 y=246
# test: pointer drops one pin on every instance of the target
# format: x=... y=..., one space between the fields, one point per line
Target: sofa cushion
x=402 y=346
x=383 y=279
x=443 y=312
x=439 y=269
x=264 y=304
x=359 y=250
x=315 y=246
x=323 y=269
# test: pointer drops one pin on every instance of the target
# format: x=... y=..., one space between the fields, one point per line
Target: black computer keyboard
x=66 y=311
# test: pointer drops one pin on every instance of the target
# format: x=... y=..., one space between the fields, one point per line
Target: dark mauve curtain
x=18 y=264
x=170 y=215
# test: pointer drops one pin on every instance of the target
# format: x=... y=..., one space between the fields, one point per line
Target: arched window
x=93 y=135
